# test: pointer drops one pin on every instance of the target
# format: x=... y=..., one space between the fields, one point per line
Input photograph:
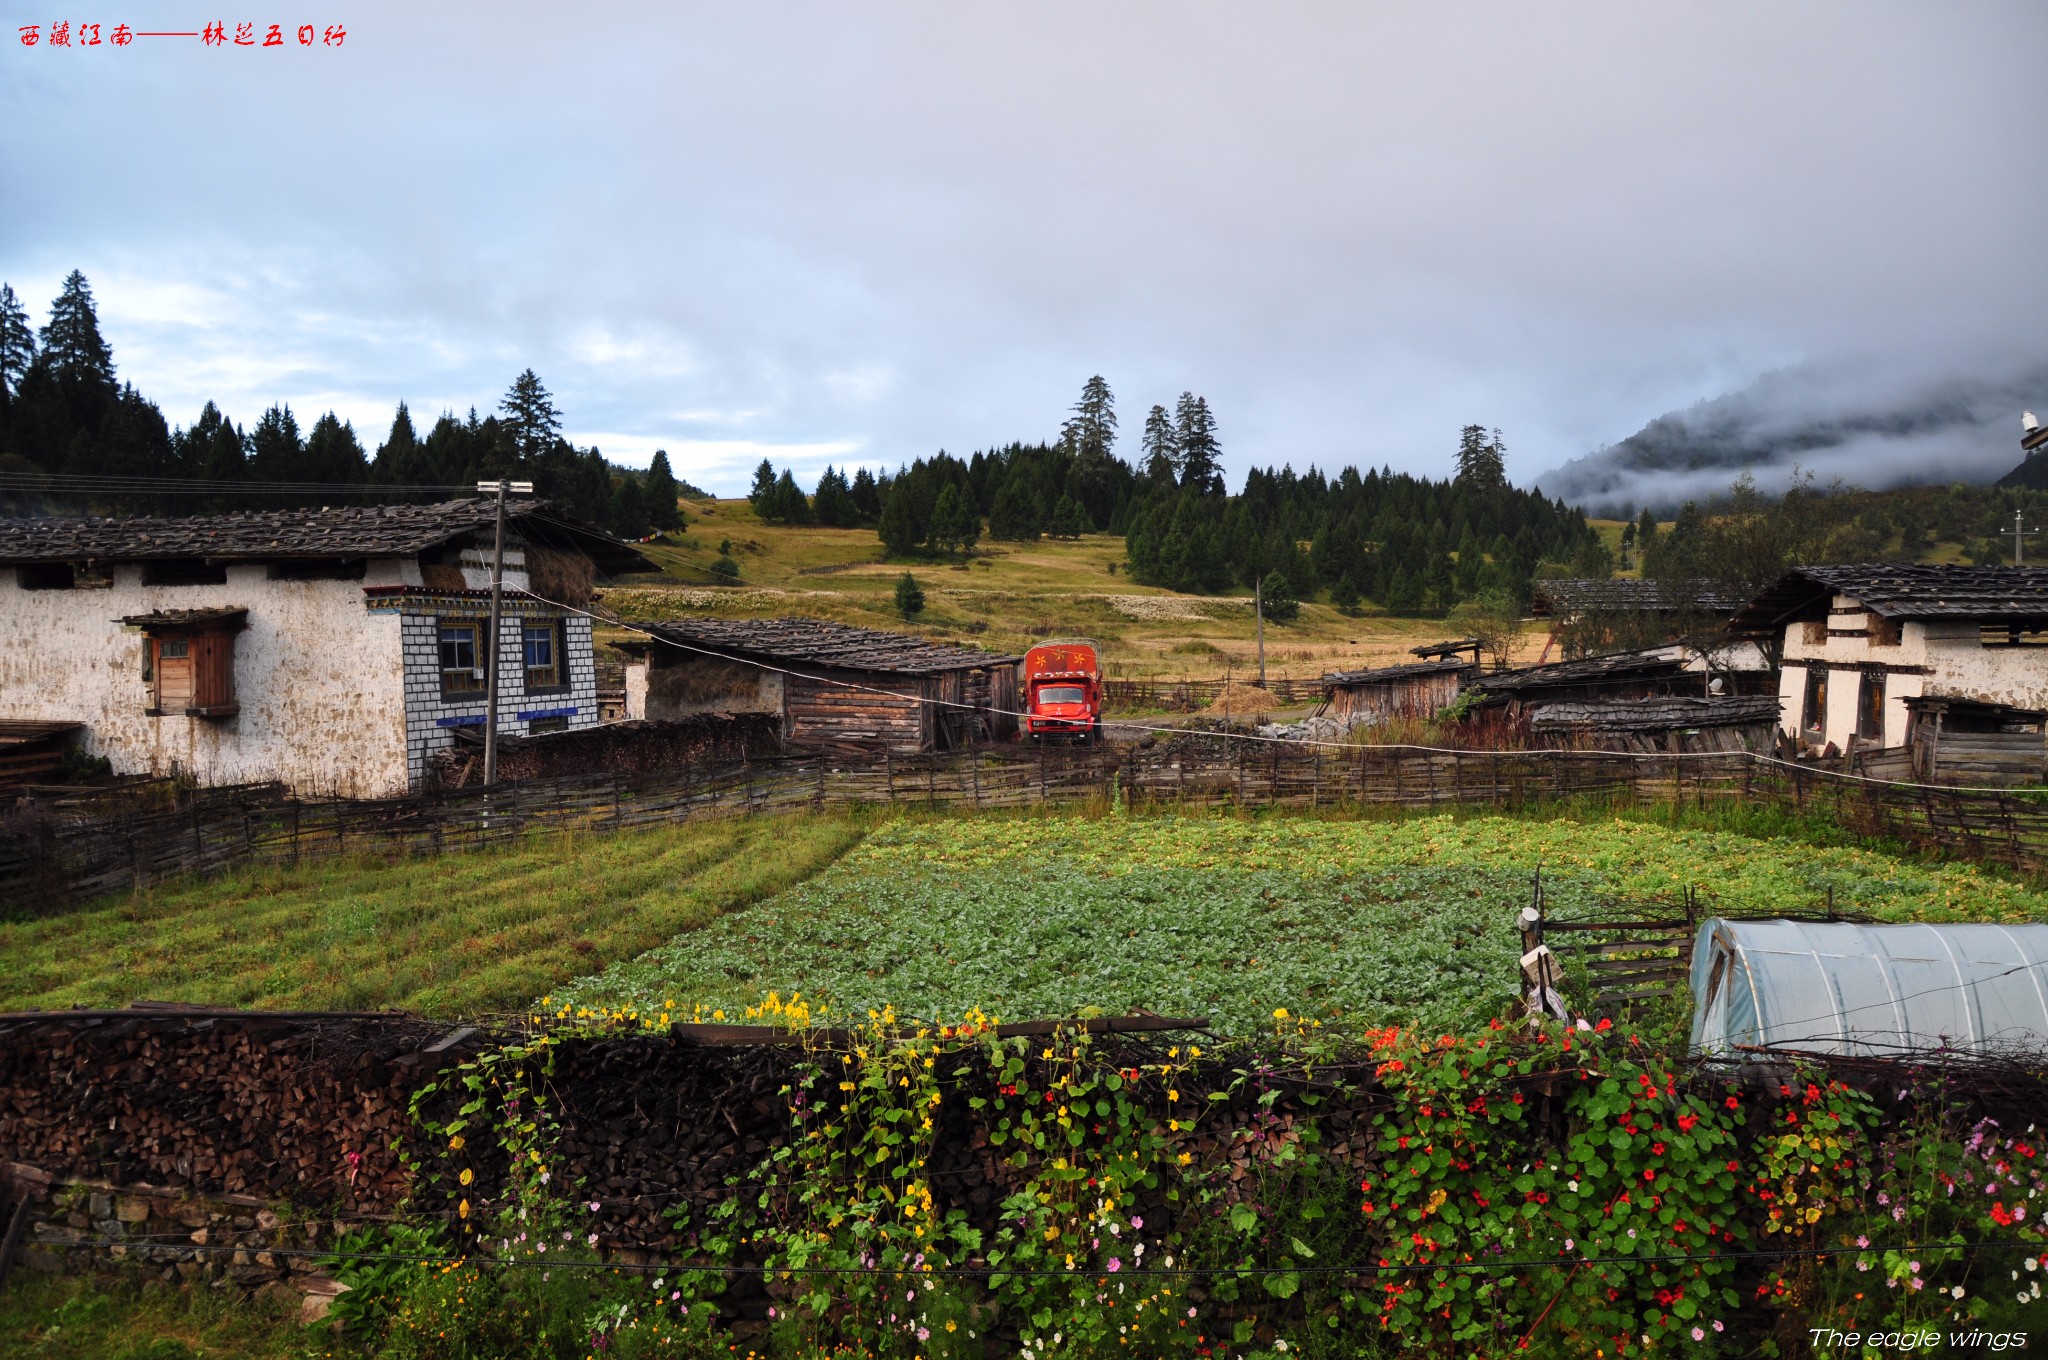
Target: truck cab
x=1063 y=692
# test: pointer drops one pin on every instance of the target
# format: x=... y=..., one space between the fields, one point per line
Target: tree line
x=63 y=411
x=1415 y=545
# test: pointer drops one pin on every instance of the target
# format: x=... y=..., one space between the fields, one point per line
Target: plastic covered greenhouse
x=1832 y=987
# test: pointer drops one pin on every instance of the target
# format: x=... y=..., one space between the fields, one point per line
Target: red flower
x=1686 y=1121
x=1733 y=1103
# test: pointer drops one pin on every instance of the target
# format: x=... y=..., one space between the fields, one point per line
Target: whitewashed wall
x=1956 y=662
x=317 y=676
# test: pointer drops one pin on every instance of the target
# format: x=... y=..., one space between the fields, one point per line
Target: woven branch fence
x=49 y=861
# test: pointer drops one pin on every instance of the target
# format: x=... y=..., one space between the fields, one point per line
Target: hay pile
x=1239 y=698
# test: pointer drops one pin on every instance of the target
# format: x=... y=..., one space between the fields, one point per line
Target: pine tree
x=867 y=497
x=787 y=501
x=332 y=453
x=898 y=526
x=1278 y=599
x=17 y=342
x=1482 y=463
x=535 y=424
x=215 y=449
x=1069 y=520
x=398 y=457
x=629 y=507
x=72 y=344
x=909 y=598
x=762 y=495
x=1200 y=458
x=1161 y=448
x=1091 y=430
x=662 y=493
x=275 y=449
x=1017 y=516
x=955 y=525
x=832 y=503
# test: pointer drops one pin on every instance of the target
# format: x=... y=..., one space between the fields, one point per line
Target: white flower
x=1280 y=1346
x=1572 y=1186
x=1956 y=1293
x=2033 y=1264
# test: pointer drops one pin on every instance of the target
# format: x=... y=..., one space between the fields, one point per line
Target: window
x=1816 y=716
x=1870 y=708
x=2012 y=635
x=540 y=725
x=1062 y=694
x=193 y=675
x=48 y=576
x=546 y=668
x=184 y=571
x=464 y=655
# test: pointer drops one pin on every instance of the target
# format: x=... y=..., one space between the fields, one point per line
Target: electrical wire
x=60 y=482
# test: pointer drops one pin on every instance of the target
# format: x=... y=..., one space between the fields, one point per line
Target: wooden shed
x=1421 y=690
x=831 y=684
x=1966 y=741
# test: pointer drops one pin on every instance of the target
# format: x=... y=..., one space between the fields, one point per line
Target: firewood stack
x=286 y=1106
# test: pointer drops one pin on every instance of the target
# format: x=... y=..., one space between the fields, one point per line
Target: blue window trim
x=466 y=720
x=529 y=714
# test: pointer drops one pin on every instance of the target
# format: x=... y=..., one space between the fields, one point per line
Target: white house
x=330 y=649
x=1868 y=647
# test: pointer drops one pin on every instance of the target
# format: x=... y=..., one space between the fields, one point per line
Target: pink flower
x=1115 y=1264
x=1719 y=1328
x=1137 y=1222
x=1699 y=1334
x=1862 y=1241
x=593 y=1206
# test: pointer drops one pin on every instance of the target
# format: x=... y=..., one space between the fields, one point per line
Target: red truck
x=1063 y=692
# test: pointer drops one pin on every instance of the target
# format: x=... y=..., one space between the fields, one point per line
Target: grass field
x=70 y=1319
x=1368 y=922
x=1006 y=596
x=460 y=935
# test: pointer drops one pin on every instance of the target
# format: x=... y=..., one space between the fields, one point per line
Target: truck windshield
x=1062 y=694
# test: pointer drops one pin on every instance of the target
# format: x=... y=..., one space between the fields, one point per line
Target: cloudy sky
x=860 y=232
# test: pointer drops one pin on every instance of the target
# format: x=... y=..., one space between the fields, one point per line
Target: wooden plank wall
x=817 y=711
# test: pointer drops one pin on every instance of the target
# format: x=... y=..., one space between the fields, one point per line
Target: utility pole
x=2019 y=537
x=494 y=654
x=1259 y=610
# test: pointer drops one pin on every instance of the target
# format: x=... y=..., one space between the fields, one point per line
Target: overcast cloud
x=862 y=232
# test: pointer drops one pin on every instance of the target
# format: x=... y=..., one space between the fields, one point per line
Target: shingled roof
x=347 y=531
x=1647 y=663
x=1387 y=674
x=1657 y=714
x=817 y=642
x=1895 y=591
x=1621 y=595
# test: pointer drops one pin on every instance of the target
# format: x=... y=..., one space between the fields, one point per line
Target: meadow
x=1003 y=596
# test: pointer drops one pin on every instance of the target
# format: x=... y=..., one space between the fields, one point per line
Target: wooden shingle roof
x=1648 y=663
x=346 y=531
x=1389 y=674
x=1621 y=595
x=1899 y=591
x=1657 y=714
x=818 y=642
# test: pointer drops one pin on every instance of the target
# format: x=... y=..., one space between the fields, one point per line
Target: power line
x=195 y=486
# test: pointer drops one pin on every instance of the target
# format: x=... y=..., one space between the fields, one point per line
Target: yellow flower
x=455 y=1143
x=1173 y=1095
x=467 y=1176
x=1280 y=1014
x=463 y=1208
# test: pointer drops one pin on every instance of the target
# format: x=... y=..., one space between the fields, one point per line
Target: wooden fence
x=51 y=858
x=1195 y=696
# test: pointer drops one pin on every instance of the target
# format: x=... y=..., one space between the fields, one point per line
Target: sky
x=861 y=232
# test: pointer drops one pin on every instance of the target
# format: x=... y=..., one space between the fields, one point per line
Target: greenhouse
x=1835 y=987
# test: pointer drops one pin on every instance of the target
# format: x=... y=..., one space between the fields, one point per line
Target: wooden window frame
x=558 y=642
x=479 y=631
x=1813 y=710
x=1870 y=699
x=208 y=655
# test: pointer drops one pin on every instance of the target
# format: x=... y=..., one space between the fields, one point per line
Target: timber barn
x=331 y=650
x=1420 y=690
x=1671 y=723
x=830 y=684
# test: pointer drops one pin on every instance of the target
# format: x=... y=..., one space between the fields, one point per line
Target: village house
x=1952 y=661
x=333 y=650
x=1589 y=617
x=830 y=684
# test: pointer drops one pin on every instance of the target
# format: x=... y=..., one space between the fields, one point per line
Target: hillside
x=1004 y=596
x=1867 y=429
